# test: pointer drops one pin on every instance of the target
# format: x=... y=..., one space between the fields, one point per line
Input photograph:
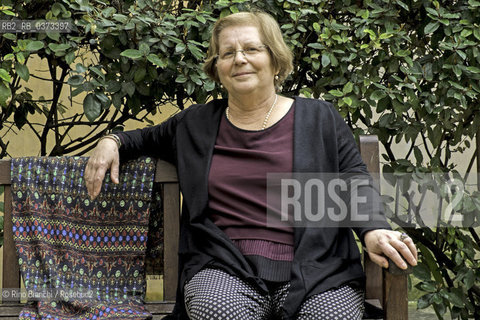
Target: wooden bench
x=384 y=290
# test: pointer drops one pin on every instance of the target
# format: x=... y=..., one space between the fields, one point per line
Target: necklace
x=265 y=121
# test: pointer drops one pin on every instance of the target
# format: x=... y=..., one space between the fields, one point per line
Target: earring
x=277 y=77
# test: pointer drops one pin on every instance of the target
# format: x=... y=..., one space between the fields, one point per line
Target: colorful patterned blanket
x=81 y=259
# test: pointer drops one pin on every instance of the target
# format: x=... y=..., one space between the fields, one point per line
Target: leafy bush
x=406 y=70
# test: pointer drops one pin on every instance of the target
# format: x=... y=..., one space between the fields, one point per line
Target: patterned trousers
x=214 y=294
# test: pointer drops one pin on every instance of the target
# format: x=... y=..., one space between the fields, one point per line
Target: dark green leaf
x=113 y=86
x=144 y=48
x=181 y=78
x=180 y=48
x=80 y=68
x=53 y=35
x=153 y=58
x=104 y=100
x=418 y=155
x=403 y=53
x=4 y=75
x=128 y=88
x=92 y=107
x=70 y=57
x=437 y=298
x=77 y=91
x=132 y=54
x=348 y=101
x=455 y=298
x=422 y=272
x=473 y=69
x=428 y=286
x=98 y=72
x=57 y=8
x=474 y=3
x=316 y=45
x=58 y=47
x=197 y=53
x=440 y=308
x=431 y=27
x=75 y=80
x=469 y=279
x=378 y=94
x=35 y=45
x=10 y=36
x=424 y=301
x=117 y=100
x=139 y=74
x=325 y=60
x=403 y=5
x=348 y=87
x=432 y=11
x=5 y=94
x=190 y=86
x=336 y=93
x=22 y=71
x=209 y=85
x=201 y=19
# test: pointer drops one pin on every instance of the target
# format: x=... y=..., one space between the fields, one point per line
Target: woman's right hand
x=105 y=156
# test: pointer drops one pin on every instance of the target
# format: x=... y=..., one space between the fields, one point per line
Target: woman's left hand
x=383 y=243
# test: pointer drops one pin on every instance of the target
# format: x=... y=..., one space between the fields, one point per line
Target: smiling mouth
x=242 y=74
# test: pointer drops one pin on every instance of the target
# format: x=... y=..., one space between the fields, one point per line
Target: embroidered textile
x=89 y=254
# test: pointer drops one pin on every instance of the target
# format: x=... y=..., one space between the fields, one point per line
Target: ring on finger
x=403 y=236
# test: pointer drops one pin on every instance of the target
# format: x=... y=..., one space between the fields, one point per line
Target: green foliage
x=406 y=70
x=126 y=61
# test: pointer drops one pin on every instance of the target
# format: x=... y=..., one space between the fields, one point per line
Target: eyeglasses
x=249 y=53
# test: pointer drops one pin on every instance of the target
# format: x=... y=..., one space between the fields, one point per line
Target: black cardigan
x=324 y=257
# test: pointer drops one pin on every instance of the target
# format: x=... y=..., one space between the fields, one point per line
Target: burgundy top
x=238 y=186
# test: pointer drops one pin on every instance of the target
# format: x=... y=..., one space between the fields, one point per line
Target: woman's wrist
x=113 y=137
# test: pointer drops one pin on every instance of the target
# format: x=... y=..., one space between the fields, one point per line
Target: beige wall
x=24 y=142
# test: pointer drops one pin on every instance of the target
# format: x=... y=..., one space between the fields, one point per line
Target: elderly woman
x=233 y=265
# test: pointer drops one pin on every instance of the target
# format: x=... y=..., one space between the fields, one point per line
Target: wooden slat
x=165 y=172
x=374 y=302
x=369 y=150
x=10 y=310
x=11 y=276
x=374 y=281
x=171 y=216
x=5 y=177
x=158 y=309
x=395 y=297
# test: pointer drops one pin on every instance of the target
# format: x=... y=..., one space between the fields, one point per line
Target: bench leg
x=395 y=296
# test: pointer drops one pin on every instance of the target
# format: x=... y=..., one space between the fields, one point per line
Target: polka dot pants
x=214 y=294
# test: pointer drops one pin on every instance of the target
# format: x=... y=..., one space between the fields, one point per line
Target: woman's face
x=244 y=65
